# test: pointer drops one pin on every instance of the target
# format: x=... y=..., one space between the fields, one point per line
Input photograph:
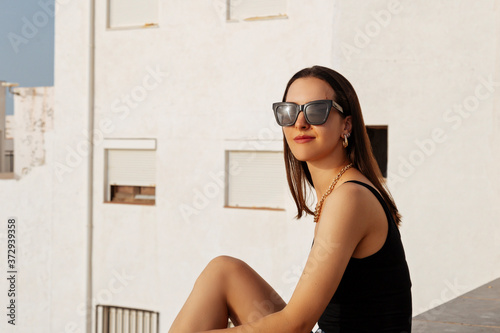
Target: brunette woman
x=356 y=278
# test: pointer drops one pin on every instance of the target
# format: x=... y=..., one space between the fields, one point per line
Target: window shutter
x=256 y=179
x=132 y=13
x=248 y=9
x=132 y=167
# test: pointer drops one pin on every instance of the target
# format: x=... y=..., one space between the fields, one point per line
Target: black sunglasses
x=315 y=112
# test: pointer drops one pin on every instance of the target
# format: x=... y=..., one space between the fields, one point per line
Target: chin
x=300 y=159
x=311 y=155
x=303 y=156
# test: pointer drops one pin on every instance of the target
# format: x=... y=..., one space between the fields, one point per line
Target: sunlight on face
x=313 y=142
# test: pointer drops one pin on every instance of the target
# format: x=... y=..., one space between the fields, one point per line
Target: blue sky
x=26 y=43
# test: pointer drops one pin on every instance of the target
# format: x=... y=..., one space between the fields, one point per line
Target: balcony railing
x=116 y=319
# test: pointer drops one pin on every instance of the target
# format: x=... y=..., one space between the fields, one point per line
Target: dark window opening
x=144 y=195
x=378 y=140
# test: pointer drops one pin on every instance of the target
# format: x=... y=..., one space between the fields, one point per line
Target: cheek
x=333 y=128
x=332 y=131
x=328 y=136
x=287 y=133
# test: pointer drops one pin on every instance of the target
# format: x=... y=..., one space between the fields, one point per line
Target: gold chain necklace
x=319 y=206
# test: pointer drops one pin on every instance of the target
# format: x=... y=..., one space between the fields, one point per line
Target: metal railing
x=116 y=319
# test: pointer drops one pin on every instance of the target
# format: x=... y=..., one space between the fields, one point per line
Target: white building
x=171 y=88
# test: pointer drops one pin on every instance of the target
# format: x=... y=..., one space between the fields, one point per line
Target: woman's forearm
x=275 y=322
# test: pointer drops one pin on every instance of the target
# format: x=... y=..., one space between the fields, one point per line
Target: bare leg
x=227 y=288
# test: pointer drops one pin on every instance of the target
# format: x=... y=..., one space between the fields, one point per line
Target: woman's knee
x=226 y=264
x=222 y=266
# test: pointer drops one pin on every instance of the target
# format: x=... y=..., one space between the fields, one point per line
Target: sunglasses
x=315 y=112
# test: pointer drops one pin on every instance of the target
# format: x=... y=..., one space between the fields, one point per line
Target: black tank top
x=374 y=294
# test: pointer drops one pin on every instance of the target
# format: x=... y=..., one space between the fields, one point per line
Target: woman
x=356 y=277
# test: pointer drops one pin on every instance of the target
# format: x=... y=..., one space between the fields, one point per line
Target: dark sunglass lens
x=286 y=114
x=317 y=113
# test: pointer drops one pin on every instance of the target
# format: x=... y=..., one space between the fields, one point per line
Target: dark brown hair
x=359 y=149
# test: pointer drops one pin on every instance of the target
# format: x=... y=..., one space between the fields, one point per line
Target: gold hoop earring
x=345 y=143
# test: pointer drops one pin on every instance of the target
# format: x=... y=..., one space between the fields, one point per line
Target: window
x=378 y=140
x=132 y=13
x=249 y=10
x=8 y=155
x=133 y=194
x=126 y=320
x=130 y=171
x=255 y=179
x=6 y=141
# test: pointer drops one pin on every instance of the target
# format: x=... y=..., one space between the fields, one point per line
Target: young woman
x=356 y=277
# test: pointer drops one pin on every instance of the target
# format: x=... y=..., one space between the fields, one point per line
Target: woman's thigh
x=249 y=297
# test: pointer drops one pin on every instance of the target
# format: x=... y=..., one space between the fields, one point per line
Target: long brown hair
x=359 y=149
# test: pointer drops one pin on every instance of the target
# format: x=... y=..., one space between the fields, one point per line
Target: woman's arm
x=344 y=222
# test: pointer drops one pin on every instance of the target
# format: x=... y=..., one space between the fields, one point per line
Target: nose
x=301 y=122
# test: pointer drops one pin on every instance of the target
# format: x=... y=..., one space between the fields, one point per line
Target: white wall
x=209 y=86
x=28 y=199
x=34 y=117
x=423 y=61
x=70 y=169
x=220 y=80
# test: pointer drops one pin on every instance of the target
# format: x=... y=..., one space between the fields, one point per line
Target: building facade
x=162 y=126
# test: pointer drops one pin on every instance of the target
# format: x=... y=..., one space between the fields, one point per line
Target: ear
x=347 y=125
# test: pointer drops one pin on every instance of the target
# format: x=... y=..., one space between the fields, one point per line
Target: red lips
x=303 y=138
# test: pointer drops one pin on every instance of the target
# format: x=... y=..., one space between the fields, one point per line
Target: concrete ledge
x=476 y=311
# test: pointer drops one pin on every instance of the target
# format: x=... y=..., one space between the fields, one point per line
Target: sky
x=26 y=44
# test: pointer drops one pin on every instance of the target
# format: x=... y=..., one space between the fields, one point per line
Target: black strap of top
x=379 y=197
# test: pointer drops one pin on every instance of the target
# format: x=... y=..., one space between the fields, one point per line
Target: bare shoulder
x=350 y=195
x=351 y=205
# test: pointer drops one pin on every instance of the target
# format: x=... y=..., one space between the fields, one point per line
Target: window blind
x=132 y=13
x=245 y=9
x=255 y=179
x=132 y=167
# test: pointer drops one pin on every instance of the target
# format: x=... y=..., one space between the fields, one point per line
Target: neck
x=324 y=172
